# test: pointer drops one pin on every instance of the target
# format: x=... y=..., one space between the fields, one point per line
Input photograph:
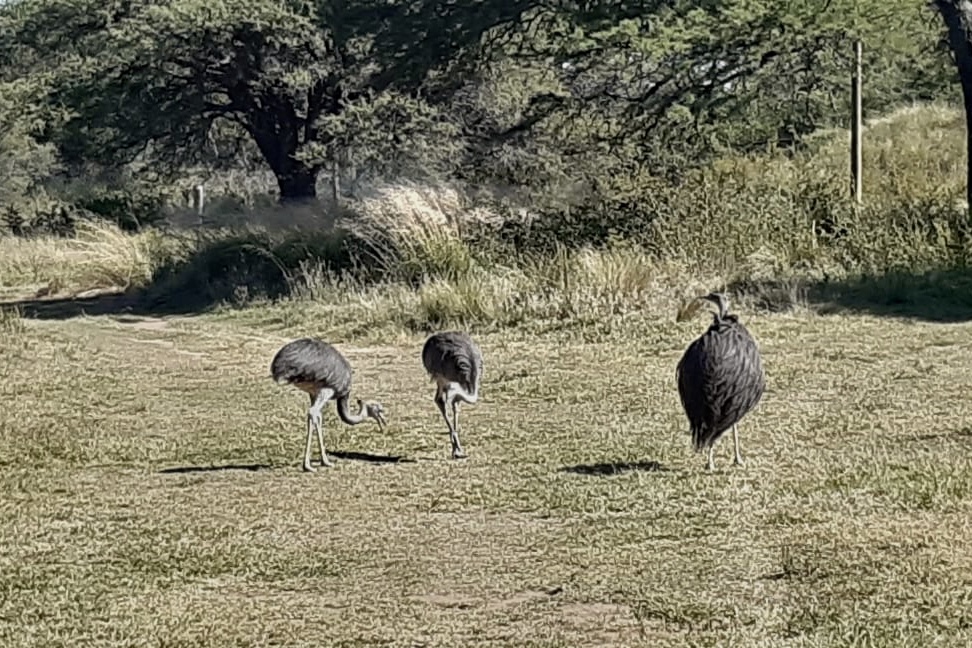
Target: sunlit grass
x=150 y=490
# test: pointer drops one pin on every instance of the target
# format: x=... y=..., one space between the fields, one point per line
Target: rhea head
x=713 y=299
x=375 y=411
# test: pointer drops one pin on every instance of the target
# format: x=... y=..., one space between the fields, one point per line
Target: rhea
x=317 y=368
x=455 y=364
x=720 y=377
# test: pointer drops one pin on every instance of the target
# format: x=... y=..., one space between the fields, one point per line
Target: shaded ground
x=150 y=494
x=67 y=308
x=939 y=296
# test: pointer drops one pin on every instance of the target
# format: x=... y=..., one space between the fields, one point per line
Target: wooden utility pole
x=857 y=126
x=199 y=198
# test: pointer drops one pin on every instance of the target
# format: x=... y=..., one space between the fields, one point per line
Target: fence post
x=857 y=126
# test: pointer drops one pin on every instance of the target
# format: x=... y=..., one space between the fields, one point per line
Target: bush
x=422 y=256
x=100 y=256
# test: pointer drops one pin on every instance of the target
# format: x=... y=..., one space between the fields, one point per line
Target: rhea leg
x=315 y=414
x=735 y=441
x=440 y=403
x=711 y=464
x=444 y=399
x=320 y=441
x=457 y=452
x=307 y=446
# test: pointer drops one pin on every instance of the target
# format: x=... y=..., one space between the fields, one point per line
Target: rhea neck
x=720 y=309
x=345 y=413
x=466 y=396
x=722 y=322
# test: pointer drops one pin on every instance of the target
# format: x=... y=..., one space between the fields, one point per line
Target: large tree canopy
x=152 y=77
x=645 y=65
x=310 y=83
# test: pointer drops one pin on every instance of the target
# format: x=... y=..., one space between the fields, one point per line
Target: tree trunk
x=957 y=15
x=297 y=185
x=297 y=182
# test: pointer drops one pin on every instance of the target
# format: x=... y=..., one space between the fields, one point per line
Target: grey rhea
x=455 y=364
x=720 y=377
x=316 y=367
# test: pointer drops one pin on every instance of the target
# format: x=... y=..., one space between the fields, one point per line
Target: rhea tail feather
x=703 y=437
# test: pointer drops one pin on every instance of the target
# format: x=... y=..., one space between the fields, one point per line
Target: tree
x=150 y=79
x=669 y=81
x=24 y=162
x=957 y=15
x=308 y=82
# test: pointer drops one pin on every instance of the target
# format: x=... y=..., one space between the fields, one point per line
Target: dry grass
x=99 y=256
x=580 y=518
x=759 y=219
x=918 y=147
x=414 y=232
x=599 y=290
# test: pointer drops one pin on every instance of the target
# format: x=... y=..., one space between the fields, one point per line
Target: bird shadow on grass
x=201 y=469
x=960 y=434
x=336 y=454
x=614 y=468
x=369 y=458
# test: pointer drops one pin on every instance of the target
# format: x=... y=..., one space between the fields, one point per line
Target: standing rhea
x=455 y=363
x=320 y=370
x=720 y=377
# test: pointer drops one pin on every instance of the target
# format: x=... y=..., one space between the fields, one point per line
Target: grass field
x=150 y=485
x=152 y=495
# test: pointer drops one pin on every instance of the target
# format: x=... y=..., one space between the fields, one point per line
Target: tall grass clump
x=100 y=256
x=791 y=214
x=245 y=263
x=108 y=257
x=413 y=233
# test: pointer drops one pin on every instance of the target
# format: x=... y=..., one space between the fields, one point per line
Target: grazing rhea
x=455 y=363
x=720 y=377
x=320 y=370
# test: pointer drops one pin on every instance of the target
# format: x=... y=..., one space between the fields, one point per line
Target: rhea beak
x=713 y=298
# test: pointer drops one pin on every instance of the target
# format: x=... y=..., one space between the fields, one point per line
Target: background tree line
x=113 y=108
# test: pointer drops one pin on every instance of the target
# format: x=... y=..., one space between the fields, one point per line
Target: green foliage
x=671 y=83
x=390 y=135
x=240 y=266
x=598 y=118
x=112 y=195
x=25 y=163
x=302 y=80
x=771 y=226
